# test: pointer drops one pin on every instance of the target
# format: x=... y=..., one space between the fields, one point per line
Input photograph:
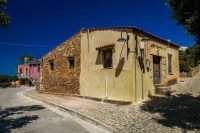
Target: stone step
x=158 y=85
x=164 y=90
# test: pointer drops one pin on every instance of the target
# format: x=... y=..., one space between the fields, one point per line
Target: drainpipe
x=142 y=56
x=136 y=53
x=142 y=47
x=142 y=75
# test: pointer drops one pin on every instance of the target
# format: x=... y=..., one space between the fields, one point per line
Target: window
x=51 y=63
x=20 y=71
x=71 y=62
x=39 y=68
x=169 y=63
x=107 y=58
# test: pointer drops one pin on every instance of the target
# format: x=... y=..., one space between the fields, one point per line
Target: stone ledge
x=118 y=102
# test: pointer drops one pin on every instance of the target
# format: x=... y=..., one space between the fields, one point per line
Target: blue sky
x=48 y=23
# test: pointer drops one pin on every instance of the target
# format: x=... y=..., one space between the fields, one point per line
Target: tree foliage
x=187 y=13
x=193 y=55
x=183 y=62
x=23 y=56
x=4 y=17
x=189 y=58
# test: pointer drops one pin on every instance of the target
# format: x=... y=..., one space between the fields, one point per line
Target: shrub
x=5 y=84
x=5 y=80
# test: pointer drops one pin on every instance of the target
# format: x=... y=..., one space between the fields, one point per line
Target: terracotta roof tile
x=105 y=46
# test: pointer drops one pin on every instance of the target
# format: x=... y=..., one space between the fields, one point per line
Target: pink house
x=29 y=73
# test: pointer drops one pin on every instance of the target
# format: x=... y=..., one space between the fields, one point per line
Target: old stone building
x=125 y=63
x=117 y=63
x=60 y=68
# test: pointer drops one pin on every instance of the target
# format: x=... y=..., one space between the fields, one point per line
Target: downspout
x=136 y=53
x=142 y=50
x=142 y=75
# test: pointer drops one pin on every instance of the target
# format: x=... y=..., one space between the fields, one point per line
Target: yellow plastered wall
x=94 y=78
x=156 y=48
x=128 y=83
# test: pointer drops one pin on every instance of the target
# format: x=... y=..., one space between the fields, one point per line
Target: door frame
x=160 y=75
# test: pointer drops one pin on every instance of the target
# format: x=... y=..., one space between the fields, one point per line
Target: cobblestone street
x=176 y=113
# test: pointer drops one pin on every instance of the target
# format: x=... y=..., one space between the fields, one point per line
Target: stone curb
x=106 y=100
x=75 y=113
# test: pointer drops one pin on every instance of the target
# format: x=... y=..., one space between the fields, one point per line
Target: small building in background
x=183 y=48
x=29 y=73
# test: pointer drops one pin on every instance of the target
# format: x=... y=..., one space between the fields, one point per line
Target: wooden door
x=156 y=69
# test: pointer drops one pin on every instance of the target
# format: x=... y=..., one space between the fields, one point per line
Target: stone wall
x=191 y=73
x=37 y=86
x=62 y=79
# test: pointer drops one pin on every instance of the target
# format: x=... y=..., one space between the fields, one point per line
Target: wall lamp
x=122 y=39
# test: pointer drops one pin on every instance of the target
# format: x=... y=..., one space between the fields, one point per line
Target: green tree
x=4 y=17
x=28 y=57
x=193 y=55
x=183 y=62
x=187 y=13
x=189 y=58
x=5 y=80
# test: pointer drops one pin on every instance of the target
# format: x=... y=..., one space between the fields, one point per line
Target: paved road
x=21 y=114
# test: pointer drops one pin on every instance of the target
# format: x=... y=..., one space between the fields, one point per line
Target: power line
x=25 y=45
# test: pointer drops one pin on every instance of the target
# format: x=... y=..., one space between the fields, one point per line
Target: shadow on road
x=9 y=119
x=181 y=111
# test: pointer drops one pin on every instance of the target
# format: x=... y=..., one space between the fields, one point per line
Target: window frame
x=21 y=71
x=170 y=71
x=51 y=65
x=110 y=65
x=71 y=64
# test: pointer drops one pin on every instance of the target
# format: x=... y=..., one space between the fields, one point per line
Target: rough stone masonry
x=56 y=75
